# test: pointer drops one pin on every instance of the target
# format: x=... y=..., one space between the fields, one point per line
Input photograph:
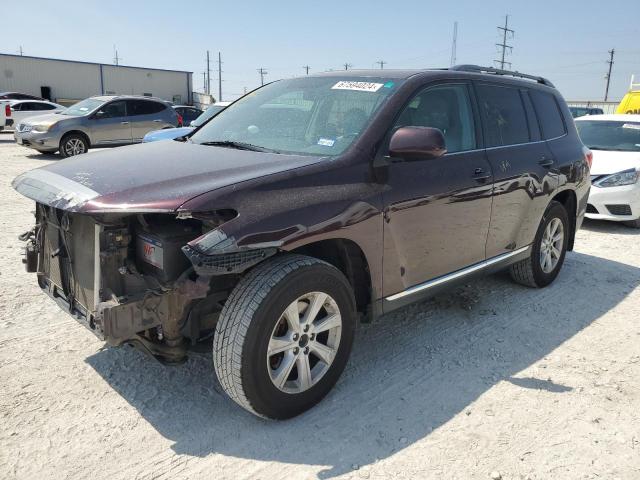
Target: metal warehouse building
x=68 y=81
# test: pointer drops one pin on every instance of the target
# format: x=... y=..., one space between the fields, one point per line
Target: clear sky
x=564 y=40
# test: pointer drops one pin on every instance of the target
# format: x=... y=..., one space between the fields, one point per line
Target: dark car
x=187 y=113
x=309 y=205
x=5 y=96
x=582 y=111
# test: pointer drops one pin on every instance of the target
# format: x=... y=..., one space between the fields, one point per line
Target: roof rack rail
x=497 y=71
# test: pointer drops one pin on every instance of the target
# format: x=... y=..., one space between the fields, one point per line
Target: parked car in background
x=5 y=96
x=172 y=133
x=187 y=113
x=23 y=109
x=102 y=121
x=5 y=116
x=582 y=111
x=268 y=237
x=630 y=103
x=615 y=143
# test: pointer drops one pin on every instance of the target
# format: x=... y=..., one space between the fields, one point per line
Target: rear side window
x=548 y=114
x=503 y=115
x=144 y=107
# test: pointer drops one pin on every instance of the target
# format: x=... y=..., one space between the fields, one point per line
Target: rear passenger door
x=522 y=164
x=145 y=116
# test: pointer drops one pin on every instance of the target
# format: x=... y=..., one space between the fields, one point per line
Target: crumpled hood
x=608 y=162
x=158 y=176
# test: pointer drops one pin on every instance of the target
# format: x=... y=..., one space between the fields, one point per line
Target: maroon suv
x=306 y=206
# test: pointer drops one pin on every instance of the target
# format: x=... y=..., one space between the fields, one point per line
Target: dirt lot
x=490 y=380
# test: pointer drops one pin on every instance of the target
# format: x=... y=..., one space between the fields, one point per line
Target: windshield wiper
x=238 y=145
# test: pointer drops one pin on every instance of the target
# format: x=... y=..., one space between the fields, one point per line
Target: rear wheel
x=547 y=251
x=284 y=336
x=73 y=144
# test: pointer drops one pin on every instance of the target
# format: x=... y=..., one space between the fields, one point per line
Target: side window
x=47 y=106
x=27 y=106
x=446 y=107
x=144 y=107
x=114 y=109
x=16 y=107
x=549 y=114
x=503 y=115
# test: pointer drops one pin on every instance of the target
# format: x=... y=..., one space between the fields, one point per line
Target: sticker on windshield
x=326 y=142
x=359 y=86
x=635 y=126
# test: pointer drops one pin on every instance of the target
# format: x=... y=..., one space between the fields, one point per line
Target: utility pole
x=204 y=82
x=608 y=75
x=381 y=63
x=20 y=50
x=306 y=69
x=262 y=73
x=208 y=90
x=116 y=59
x=347 y=66
x=219 y=77
x=454 y=44
x=506 y=32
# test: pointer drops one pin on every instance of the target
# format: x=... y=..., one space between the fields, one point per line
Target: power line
x=347 y=66
x=208 y=90
x=454 y=44
x=306 y=69
x=219 y=77
x=506 y=32
x=262 y=73
x=608 y=75
x=381 y=63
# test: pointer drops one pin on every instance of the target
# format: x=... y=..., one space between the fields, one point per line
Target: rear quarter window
x=548 y=113
x=503 y=115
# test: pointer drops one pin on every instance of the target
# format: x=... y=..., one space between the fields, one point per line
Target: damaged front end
x=135 y=278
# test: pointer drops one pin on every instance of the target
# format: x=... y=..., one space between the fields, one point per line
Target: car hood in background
x=167 y=134
x=159 y=176
x=45 y=119
x=606 y=162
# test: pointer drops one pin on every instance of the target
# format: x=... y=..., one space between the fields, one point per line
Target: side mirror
x=417 y=143
x=98 y=114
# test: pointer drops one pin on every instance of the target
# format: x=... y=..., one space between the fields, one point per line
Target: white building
x=68 y=81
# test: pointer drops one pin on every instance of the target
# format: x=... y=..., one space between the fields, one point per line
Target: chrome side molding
x=457 y=274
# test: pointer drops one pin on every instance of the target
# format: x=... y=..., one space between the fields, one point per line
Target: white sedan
x=21 y=109
x=615 y=143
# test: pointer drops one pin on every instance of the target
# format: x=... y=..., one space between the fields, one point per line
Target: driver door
x=110 y=124
x=437 y=211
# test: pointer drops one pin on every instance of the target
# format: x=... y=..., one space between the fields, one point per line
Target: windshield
x=212 y=111
x=84 y=107
x=307 y=116
x=617 y=136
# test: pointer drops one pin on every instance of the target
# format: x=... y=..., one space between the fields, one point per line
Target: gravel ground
x=491 y=380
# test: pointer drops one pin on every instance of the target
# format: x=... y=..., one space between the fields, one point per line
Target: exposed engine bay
x=132 y=278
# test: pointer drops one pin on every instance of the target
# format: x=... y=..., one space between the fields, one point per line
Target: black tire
x=529 y=271
x=247 y=322
x=633 y=223
x=73 y=142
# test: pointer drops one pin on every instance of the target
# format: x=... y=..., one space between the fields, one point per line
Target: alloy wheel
x=551 y=247
x=74 y=146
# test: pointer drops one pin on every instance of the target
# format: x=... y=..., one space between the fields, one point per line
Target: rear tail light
x=179 y=120
x=588 y=156
x=7 y=110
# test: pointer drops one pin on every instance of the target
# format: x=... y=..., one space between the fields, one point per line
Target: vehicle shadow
x=43 y=156
x=410 y=372
x=604 y=226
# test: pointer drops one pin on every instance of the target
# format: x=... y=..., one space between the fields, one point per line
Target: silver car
x=102 y=121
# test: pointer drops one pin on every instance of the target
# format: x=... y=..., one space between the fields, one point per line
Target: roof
x=91 y=63
x=106 y=98
x=31 y=100
x=620 y=117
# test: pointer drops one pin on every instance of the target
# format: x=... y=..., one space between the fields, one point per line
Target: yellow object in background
x=631 y=101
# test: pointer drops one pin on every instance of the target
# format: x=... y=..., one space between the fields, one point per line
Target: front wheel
x=72 y=145
x=547 y=251
x=284 y=336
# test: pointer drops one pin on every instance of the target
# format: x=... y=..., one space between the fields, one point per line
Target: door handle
x=480 y=175
x=157 y=121
x=545 y=162
x=124 y=123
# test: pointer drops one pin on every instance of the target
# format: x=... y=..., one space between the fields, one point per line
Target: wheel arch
x=569 y=201
x=77 y=132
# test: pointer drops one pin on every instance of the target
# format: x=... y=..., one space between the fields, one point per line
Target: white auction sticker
x=359 y=86
x=635 y=126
